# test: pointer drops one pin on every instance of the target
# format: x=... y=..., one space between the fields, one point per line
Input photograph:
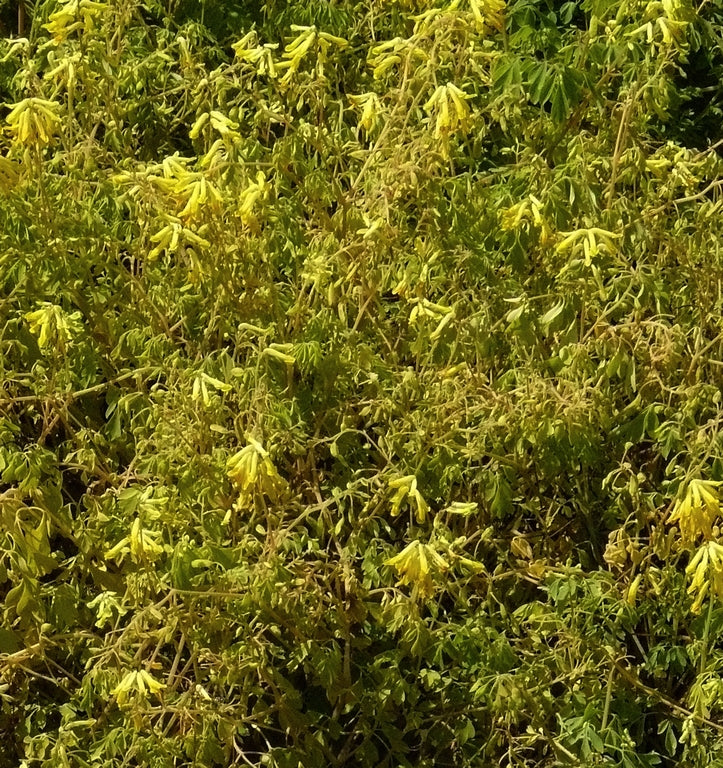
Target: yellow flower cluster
x=706 y=570
x=696 y=512
x=191 y=189
x=171 y=236
x=142 y=544
x=249 y=50
x=52 y=326
x=297 y=49
x=524 y=213
x=34 y=122
x=407 y=487
x=138 y=682
x=73 y=15
x=252 y=471
x=670 y=18
x=417 y=565
x=487 y=14
x=590 y=242
x=438 y=312
x=201 y=385
x=448 y=109
x=218 y=121
x=256 y=191
x=371 y=109
x=387 y=54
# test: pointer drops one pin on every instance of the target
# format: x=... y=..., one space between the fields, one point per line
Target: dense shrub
x=360 y=397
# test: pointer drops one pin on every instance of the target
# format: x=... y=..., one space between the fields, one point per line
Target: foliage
x=360 y=394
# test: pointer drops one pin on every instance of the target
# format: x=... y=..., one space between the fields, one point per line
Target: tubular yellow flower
x=696 y=512
x=144 y=543
x=34 y=121
x=448 y=109
x=252 y=471
x=417 y=564
x=249 y=50
x=407 y=487
x=257 y=191
x=488 y=14
x=632 y=591
x=136 y=683
x=74 y=15
x=511 y=218
x=307 y=38
x=371 y=110
x=706 y=574
x=52 y=326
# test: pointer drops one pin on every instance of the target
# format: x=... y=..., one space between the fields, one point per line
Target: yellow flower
x=251 y=470
x=407 y=487
x=52 y=326
x=706 y=572
x=371 y=109
x=591 y=242
x=34 y=121
x=696 y=512
x=488 y=14
x=201 y=384
x=72 y=15
x=464 y=508
x=218 y=121
x=142 y=544
x=416 y=565
x=257 y=191
x=526 y=213
x=511 y=218
x=195 y=190
x=138 y=682
x=171 y=236
x=631 y=593
x=297 y=49
x=448 y=109
x=248 y=50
